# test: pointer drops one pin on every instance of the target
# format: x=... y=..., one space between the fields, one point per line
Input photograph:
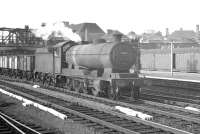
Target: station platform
x=179 y=76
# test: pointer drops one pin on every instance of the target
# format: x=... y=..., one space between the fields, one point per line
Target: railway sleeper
x=133 y=126
x=106 y=130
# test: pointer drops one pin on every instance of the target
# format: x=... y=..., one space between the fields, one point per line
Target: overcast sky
x=124 y=15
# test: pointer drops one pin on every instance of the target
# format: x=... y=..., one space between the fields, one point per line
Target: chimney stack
x=109 y=31
x=86 y=34
x=43 y=24
x=197 y=34
x=167 y=32
x=66 y=23
x=197 y=28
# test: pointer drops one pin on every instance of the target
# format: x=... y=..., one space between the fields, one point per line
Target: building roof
x=91 y=28
x=152 y=37
x=109 y=36
x=183 y=36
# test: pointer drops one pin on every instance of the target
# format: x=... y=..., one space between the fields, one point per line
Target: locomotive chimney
x=117 y=37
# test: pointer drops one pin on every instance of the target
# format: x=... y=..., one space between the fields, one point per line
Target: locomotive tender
x=99 y=68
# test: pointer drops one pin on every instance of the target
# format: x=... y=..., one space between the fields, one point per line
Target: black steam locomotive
x=99 y=68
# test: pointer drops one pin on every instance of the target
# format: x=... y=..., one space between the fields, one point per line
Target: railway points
x=153 y=108
x=31 y=115
x=103 y=116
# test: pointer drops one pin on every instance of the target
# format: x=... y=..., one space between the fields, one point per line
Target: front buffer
x=125 y=84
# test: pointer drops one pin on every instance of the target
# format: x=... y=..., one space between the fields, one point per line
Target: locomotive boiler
x=117 y=56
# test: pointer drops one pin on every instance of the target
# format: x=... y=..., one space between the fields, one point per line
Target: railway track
x=167 y=98
x=9 y=125
x=155 y=95
x=105 y=122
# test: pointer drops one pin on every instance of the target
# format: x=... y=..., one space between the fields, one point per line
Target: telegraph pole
x=171 y=58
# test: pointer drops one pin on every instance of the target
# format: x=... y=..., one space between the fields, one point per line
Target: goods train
x=183 y=59
x=100 y=68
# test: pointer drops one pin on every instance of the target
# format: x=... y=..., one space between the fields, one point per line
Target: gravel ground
x=33 y=115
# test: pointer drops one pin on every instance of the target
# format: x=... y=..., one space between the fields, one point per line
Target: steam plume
x=58 y=29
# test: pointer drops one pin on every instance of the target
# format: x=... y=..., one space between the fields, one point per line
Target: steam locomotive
x=100 y=68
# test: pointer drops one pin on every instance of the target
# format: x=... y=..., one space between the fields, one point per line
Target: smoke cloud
x=57 y=29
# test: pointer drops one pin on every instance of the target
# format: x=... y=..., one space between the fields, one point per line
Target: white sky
x=124 y=15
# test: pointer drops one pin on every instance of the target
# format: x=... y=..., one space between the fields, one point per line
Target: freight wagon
x=17 y=65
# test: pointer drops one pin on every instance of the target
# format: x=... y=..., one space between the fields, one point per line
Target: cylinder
x=105 y=55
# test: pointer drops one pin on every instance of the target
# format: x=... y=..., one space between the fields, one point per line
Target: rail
x=154 y=125
x=9 y=126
